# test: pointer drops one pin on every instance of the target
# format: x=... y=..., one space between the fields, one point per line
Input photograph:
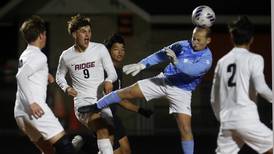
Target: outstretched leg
x=113 y=97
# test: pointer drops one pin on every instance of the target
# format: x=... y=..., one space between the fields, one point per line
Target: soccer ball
x=203 y=16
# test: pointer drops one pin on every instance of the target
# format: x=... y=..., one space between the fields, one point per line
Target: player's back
x=33 y=58
x=235 y=70
x=37 y=61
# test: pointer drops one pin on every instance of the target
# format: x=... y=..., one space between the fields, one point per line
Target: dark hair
x=32 y=28
x=241 y=30
x=77 y=22
x=114 y=38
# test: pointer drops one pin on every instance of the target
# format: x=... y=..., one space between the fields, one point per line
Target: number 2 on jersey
x=86 y=73
x=232 y=69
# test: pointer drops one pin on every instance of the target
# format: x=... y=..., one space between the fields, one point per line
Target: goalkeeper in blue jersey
x=189 y=60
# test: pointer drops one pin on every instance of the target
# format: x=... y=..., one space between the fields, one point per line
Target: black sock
x=64 y=146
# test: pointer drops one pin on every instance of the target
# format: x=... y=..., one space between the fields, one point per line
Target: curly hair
x=77 y=22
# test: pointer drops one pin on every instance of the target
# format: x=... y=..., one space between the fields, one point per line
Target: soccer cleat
x=77 y=142
x=89 y=108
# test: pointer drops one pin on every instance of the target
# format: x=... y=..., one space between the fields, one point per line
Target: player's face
x=82 y=37
x=200 y=39
x=117 y=52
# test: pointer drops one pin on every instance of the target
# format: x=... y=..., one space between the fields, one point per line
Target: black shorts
x=119 y=127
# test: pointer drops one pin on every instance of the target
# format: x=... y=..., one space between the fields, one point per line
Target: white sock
x=105 y=146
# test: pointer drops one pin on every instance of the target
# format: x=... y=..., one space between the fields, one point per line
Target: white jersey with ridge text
x=86 y=70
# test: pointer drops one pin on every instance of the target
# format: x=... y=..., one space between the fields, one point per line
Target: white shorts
x=84 y=118
x=47 y=126
x=158 y=86
x=257 y=136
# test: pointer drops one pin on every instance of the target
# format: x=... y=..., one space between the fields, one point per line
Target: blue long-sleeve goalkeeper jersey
x=192 y=65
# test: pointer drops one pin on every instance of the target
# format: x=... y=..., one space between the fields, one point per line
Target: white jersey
x=235 y=74
x=32 y=80
x=86 y=69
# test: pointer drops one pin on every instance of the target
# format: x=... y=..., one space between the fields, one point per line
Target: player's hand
x=171 y=54
x=108 y=86
x=71 y=92
x=133 y=69
x=50 y=78
x=36 y=110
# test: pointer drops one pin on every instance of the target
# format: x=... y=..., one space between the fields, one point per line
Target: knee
x=57 y=137
x=102 y=133
x=269 y=151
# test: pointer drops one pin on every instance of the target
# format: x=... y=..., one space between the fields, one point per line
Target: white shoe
x=77 y=142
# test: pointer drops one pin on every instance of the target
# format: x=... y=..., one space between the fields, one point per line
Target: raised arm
x=155 y=58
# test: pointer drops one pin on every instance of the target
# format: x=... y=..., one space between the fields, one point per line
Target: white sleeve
x=262 y=88
x=61 y=74
x=24 y=83
x=31 y=65
x=215 y=94
x=108 y=66
x=258 y=79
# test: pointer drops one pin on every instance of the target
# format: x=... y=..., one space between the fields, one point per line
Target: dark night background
x=158 y=135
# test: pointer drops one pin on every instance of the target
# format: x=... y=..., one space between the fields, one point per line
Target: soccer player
x=86 y=62
x=33 y=115
x=235 y=75
x=116 y=46
x=189 y=60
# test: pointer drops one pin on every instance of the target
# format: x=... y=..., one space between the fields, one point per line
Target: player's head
x=201 y=37
x=34 y=29
x=80 y=28
x=116 y=46
x=241 y=31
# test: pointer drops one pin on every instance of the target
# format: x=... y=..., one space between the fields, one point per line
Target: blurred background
x=147 y=25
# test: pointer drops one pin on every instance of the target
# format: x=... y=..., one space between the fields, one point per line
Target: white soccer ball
x=203 y=16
